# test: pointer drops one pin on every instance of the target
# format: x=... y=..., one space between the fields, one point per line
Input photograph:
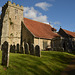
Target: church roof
x=69 y=33
x=40 y=30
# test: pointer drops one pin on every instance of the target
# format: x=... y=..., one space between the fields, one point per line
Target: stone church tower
x=12 y=17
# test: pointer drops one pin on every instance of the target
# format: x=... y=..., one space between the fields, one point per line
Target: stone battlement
x=13 y=5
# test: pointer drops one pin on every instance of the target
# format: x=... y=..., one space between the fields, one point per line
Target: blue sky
x=56 y=12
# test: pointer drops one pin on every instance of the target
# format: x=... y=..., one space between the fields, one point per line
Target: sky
x=57 y=13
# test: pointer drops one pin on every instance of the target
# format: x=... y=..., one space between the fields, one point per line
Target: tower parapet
x=13 y=5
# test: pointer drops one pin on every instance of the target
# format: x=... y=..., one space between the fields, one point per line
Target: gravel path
x=70 y=70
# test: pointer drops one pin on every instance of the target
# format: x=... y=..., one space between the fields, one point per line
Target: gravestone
x=32 y=49
x=13 y=48
x=2 y=47
x=37 y=51
x=26 y=46
x=5 y=54
x=18 y=48
x=21 y=50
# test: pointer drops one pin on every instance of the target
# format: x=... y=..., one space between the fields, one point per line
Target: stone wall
x=26 y=35
x=12 y=18
x=73 y=39
x=43 y=43
x=57 y=44
x=68 y=41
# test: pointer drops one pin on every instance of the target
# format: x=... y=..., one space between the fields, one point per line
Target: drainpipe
x=39 y=41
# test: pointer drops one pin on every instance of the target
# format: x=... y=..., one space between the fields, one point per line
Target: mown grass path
x=70 y=70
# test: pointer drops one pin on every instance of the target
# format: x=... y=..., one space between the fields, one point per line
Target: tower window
x=11 y=35
x=16 y=11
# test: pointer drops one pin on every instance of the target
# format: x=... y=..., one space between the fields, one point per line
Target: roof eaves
x=64 y=31
x=43 y=38
x=67 y=33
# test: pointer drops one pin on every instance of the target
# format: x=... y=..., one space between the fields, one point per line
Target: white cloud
x=43 y=5
x=0 y=9
x=57 y=22
x=30 y=12
x=26 y=9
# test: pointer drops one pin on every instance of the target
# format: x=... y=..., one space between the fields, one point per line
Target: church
x=16 y=29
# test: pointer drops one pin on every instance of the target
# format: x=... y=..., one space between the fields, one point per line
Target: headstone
x=18 y=48
x=2 y=47
x=13 y=48
x=32 y=49
x=26 y=48
x=5 y=54
x=37 y=51
x=21 y=50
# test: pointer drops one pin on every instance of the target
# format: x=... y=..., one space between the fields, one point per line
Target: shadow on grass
x=32 y=65
x=48 y=64
x=59 y=56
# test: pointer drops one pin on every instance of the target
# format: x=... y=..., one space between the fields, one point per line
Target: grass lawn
x=50 y=63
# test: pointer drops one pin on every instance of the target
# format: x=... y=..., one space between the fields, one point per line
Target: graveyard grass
x=50 y=63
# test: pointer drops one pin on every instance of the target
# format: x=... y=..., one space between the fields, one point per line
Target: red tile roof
x=40 y=30
x=69 y=33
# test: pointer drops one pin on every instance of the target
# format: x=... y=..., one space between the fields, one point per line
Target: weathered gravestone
x=26 y=46
x=21 y=50
x=12 y=48
x=37 y=51
x=5 y=54
x=2 y=47
x=18 y=47
x=32 y=49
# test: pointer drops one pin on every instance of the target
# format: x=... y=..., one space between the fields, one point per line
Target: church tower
x=12 y=16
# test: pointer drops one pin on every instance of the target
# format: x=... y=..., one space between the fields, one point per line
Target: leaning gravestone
x=5 y=54
x=26 y=48
x=32 y=49
x=37 y=51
